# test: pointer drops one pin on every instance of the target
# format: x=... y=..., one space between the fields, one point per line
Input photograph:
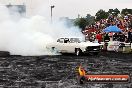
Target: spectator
x=130 y=36
x=115 y=37
x=106 y=38
x=121 y=37
x=122 y=22
x=99 y=37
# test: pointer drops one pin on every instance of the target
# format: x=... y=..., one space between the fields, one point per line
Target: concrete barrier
x=127 y=48
x=117 y=46
x=4 y=53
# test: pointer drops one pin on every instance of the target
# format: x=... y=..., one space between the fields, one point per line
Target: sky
x=71 y=8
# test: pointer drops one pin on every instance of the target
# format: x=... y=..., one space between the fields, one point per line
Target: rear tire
x=54 y=50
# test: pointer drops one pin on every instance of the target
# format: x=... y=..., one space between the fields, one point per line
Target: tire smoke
x=29 y=36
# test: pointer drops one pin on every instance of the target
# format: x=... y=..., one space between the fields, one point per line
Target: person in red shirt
x=99 y=37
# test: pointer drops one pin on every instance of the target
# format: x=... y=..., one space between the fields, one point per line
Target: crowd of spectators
x=94 y=31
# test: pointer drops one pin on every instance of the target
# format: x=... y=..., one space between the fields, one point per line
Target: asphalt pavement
x=60 y=71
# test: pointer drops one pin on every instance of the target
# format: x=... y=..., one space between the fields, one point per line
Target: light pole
x=51 y=12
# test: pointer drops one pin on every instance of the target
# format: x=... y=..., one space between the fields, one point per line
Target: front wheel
x=78 y=51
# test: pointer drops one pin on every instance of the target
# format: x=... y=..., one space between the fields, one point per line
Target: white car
x=74 y=45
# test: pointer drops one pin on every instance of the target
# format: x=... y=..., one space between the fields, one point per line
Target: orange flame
x=81 y=71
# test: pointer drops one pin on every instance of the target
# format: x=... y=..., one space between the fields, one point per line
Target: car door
x=60 y=44
x=66 y=45
x=69 y=45
x=73 y=45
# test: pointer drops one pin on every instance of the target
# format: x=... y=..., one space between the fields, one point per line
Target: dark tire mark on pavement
x=60 y=71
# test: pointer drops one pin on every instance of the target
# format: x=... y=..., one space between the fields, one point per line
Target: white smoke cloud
x=29 y=36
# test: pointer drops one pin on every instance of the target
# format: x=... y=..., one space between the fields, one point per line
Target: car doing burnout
x=74 y=45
